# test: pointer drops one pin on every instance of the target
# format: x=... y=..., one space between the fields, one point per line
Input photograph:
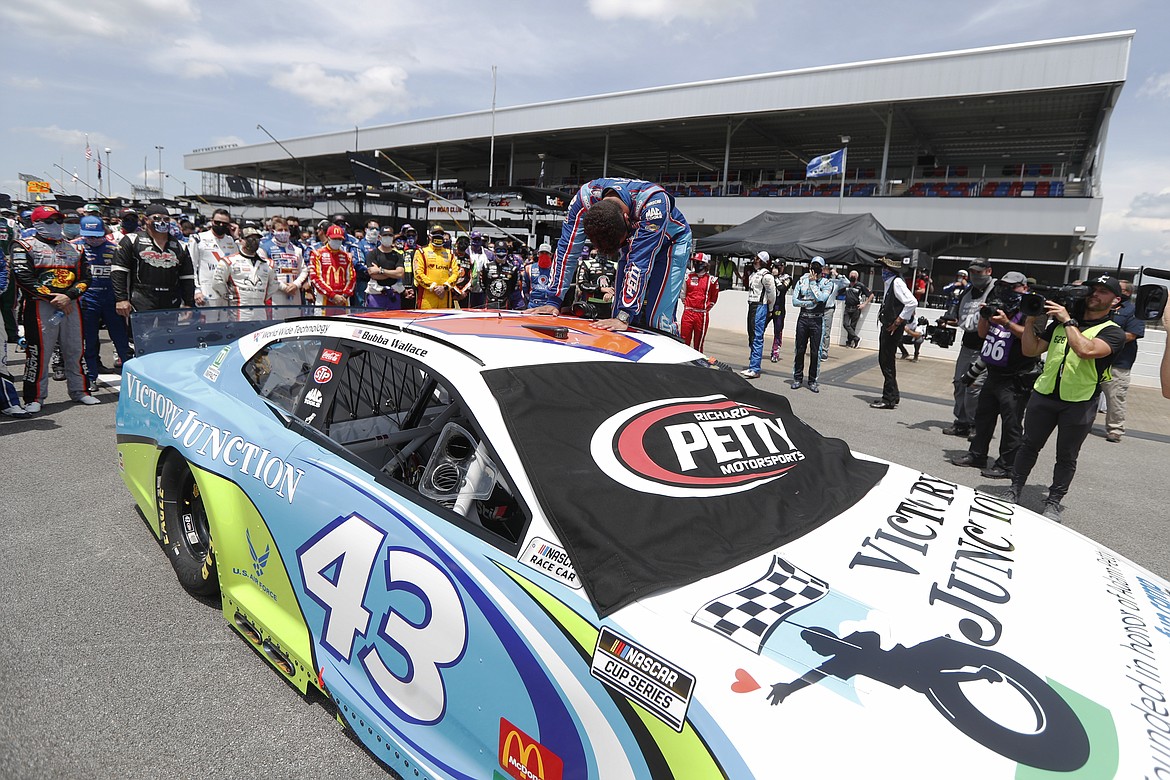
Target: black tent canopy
x=839 y=238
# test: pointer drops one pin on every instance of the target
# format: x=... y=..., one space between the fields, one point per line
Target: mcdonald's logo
x=523 y=758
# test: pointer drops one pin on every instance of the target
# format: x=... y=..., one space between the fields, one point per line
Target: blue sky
x=183 y=74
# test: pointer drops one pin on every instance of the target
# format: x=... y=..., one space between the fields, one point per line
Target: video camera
x=1070 y=296
x=587 y=310
x=941 y=335
x=1150 y=299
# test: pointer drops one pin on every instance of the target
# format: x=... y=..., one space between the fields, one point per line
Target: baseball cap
x=476 y=237
x=1013 y=278
x=92 y=226
x=157 y=208
x=41 y=213
x=962 y=273
x=545 y=247
x=338 y=219
x=386 y=231
x=764 y=256
x=1108 y=282
x=92 y=208
x=335 y=231
x=250 y=231
x=128 y=212
x=980 y=264
x=818 y=260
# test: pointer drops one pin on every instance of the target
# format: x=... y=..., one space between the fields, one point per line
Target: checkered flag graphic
x=749 y=615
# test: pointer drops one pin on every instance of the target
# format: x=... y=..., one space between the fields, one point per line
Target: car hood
x=928 y=626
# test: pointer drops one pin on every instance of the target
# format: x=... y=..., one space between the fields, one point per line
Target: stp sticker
x=331 y=356
x=322 y=375
x=523 y=758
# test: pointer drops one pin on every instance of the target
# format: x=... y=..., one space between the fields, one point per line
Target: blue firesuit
x=652 y=265
x=97 y=306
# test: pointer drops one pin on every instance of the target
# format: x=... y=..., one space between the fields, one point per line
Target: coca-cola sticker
x=706 y=446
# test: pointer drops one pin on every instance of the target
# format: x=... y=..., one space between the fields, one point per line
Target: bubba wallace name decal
x=706 y=446
x=195 y=435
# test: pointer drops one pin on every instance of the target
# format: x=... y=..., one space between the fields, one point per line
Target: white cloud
x=666 y=11
x=122 y=19
x=1149 y=205
x=74 y=139
x=356 y=97
x=1157 y=86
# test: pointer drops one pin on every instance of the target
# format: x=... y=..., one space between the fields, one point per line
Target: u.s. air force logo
x=706 y=446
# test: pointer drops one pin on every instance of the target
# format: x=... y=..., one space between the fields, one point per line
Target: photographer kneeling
x=1065 y=395
x=1010 y=374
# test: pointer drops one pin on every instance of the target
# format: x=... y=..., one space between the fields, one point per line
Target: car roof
x=498 y=339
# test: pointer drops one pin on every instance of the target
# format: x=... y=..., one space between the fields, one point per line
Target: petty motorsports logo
x=705 y=446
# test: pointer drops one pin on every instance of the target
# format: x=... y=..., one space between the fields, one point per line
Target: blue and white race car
x=516 y=546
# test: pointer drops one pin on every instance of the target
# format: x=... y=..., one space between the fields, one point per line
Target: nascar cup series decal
x=707 y=446
x=643 y=677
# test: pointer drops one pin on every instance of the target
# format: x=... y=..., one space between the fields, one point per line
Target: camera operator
x=966 y=316
x=1065 y=395
x=1009 y=378
x=1116 y=389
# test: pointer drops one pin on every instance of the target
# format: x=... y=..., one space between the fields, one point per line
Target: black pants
x=808 y=334
x=1072 y=421
x=852 y=317
x=1001 y=398
x=887 y=361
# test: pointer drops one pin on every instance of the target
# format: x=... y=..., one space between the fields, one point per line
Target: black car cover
x=655 y=476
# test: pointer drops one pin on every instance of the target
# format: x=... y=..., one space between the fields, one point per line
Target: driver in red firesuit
x=700 y=292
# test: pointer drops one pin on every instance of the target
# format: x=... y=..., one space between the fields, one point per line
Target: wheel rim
x=195 y=533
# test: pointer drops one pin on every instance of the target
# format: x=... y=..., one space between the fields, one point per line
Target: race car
x=507 y=545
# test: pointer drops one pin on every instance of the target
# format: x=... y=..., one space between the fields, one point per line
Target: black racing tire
x=186 y=529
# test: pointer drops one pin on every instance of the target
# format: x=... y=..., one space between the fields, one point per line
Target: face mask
x=130 y=225
x=437 y=240
x=411 y=242
x=52 y=231
x=95 y=240
x=251 y=244
x=981 y=282
x=280 y=236
x=71 y=230
x=387 y=241
x=335 y=243
x=220 y=228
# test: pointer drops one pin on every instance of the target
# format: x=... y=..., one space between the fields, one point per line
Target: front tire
x=186 y=530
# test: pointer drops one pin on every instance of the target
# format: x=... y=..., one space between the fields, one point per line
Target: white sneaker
x=747 y=373
x=88 y=400
x=15 y=411
x=33 y=408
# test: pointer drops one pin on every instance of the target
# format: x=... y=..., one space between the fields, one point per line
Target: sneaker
x=882 y=405
x=33 y=408
x=914 y=359
x=996 y=471
x=1053 y=510
x=1113 y=437
x=775 y=358
x=88 y=400
x=16 y=411
x=747 y=373
x=957 y=430
x=816 y=388
x=1012 y=494
x=969 y=459
x=796 y=383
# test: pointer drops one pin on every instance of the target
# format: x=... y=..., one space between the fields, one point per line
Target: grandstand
x=995 y=151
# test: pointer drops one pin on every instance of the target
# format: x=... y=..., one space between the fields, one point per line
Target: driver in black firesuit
x=594 y=283
x=499 y=277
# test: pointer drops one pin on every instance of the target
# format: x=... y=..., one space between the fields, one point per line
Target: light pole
x=109 y=183
x=844 y=159
x=160 y=172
